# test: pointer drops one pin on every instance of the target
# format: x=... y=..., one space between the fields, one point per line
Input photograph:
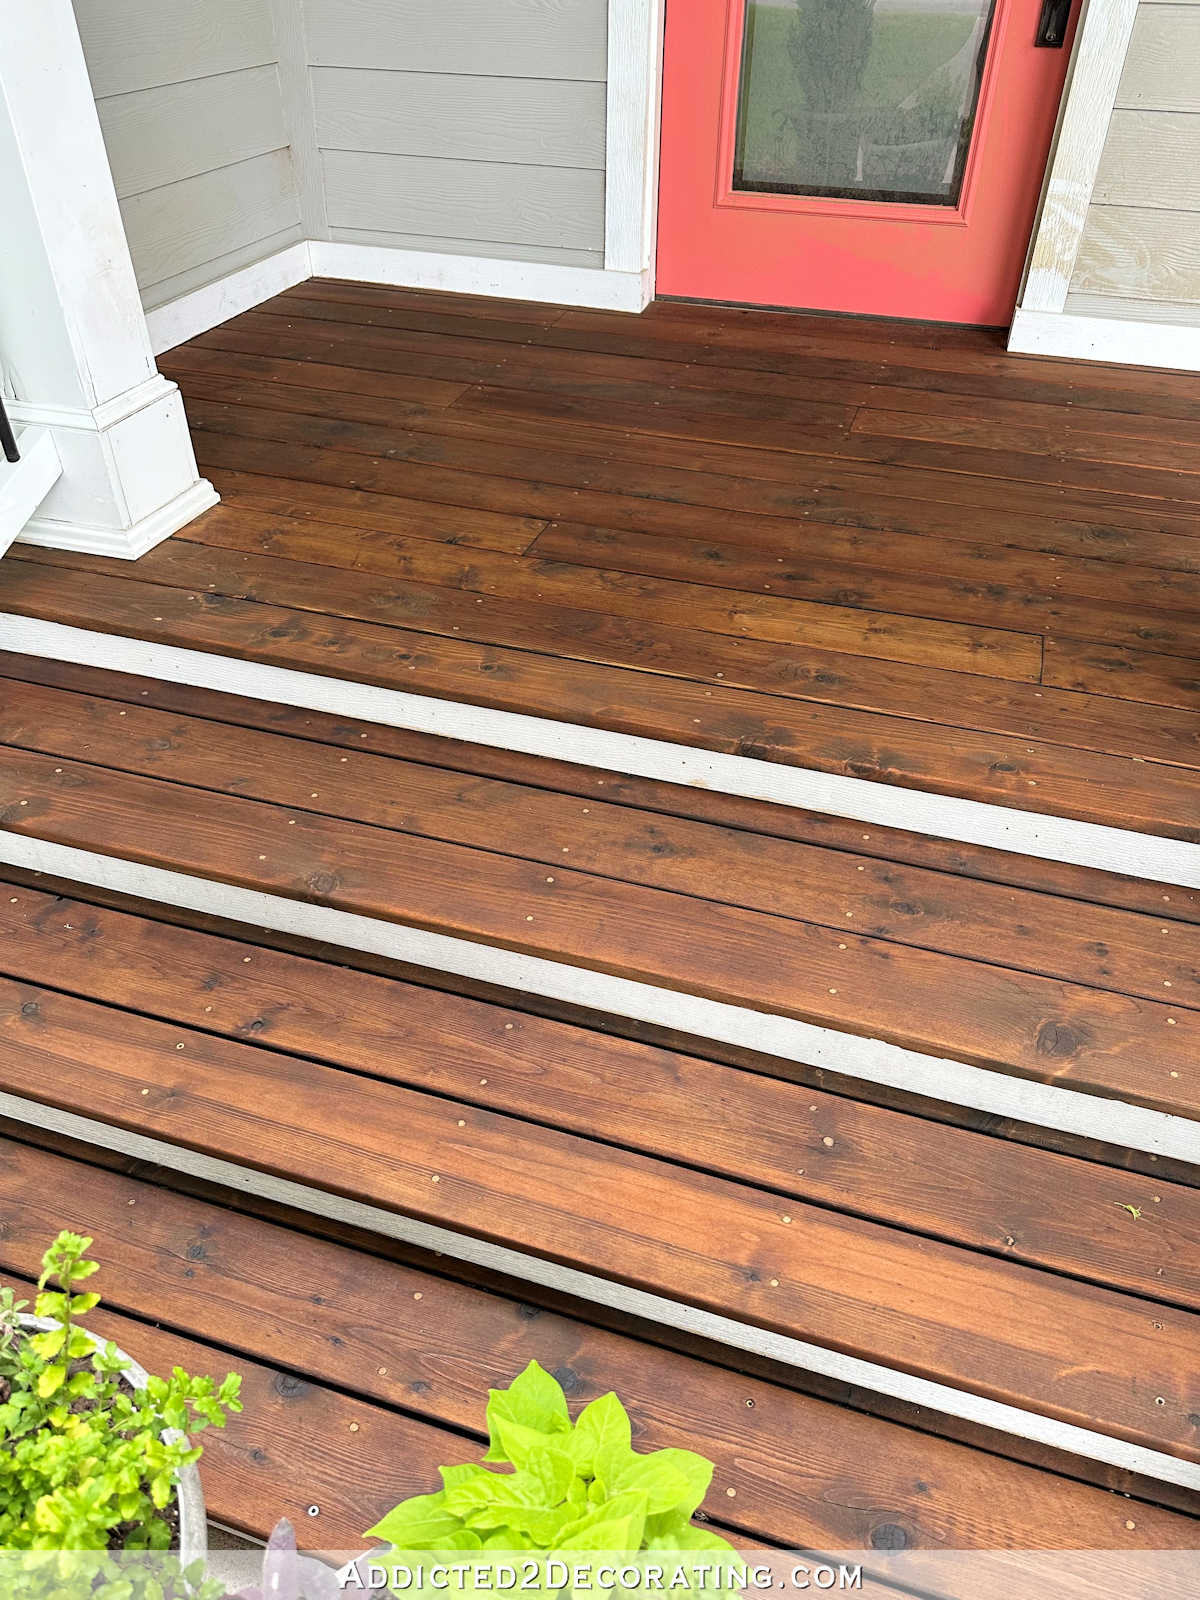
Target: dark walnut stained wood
x=1063 y=1348
x=878 y=549
x=1146 y=956
x=353 y=1424
x=945 y=1182
x=1096 y=1040
x=1167 y=902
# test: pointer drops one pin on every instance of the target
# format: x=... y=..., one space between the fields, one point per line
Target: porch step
x=947 y=973
x=784 y=1220
x=362 y=1374
x=1034 y=753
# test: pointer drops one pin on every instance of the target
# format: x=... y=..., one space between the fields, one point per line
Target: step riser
x=1026 y=833
x=874 y=1060
x=652 y=1308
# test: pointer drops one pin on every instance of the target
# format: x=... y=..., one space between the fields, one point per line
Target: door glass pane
x=864 y=99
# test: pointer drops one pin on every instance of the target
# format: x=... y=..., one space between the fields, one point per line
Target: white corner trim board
x=623 y=1298
x=179 y=320
x=1144 y=344
x=1029 y=833
x=1097 y=60
x=509 y=280
x=634 y=94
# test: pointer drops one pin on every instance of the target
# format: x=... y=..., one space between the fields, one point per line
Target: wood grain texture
x=1080 y=1353
x=1033 y=1027
x=530 y=120
x=502 y=202
x=1083 y=885
x=432 y=1347
x=934 y=911
x=1158 y=798
x=944 y=1182
x=535 y=38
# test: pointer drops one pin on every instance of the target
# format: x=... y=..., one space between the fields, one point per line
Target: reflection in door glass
x=864 y=99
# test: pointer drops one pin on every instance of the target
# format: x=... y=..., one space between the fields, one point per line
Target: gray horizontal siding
x=160 y=136
x=1139 y=258
x=531 y=121
x=143 y=44
x=1160 y=68
x=191 y=223
x=556 y=206
x=471 y=127
x=190 y=105
x=441 y=244
x=501 y=38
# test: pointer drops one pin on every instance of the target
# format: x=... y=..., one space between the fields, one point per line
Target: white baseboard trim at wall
x=631 y=1302
x=594 y=287
x=996 y=827
x=1123 y=342
x=182 y=319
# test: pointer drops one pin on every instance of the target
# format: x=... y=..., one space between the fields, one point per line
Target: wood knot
x=1057 y=1040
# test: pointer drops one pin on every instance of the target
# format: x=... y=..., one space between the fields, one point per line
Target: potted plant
x=93 y=1450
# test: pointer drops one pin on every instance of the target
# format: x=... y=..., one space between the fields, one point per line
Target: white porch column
x=75 y=355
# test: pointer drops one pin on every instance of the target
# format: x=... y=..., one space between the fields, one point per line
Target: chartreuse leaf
x=617 y=1526
x=601 y=1437
x=671 y=1480
x=674 y=1530
x=533 y=1402
x=422 y=1523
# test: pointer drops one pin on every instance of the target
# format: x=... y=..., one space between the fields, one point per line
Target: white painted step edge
x=996 y=827
x=588 y=1287
x=874 y=1060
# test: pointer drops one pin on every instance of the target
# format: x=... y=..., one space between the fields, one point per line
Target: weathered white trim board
x=603 y=290
x=1028 y=833
x=874 y=1060
x=632 y=1302
x=129 y=476
x=182 y=319
x=634 y=99
x=1101 y=42
x=1141 y=344
x=24 y=484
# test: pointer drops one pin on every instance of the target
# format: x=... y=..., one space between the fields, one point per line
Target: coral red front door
x=873 y=156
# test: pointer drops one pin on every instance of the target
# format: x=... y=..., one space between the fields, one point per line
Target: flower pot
x=189 y=1496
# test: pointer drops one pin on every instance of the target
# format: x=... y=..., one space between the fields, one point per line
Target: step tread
x=1015 y=771
x=1096 y=1040
x=1082 y=1353
x=235 y=1290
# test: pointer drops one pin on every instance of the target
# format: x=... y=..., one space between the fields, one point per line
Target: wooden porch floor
x=873 y=549
x=886 y=553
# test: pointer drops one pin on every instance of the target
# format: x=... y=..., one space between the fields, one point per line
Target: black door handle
x=1052 y=24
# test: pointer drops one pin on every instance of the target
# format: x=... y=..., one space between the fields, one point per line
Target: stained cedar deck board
x=427 y=1350
x=1001 y=926
x=1093 y=1040
x=1066 y=1349
x=439 y=590
x=1169 y=903
x=1123 y=792
x=949 y=1183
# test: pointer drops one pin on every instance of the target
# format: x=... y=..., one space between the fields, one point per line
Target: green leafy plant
x=84 y=1465
x=570 y=1486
